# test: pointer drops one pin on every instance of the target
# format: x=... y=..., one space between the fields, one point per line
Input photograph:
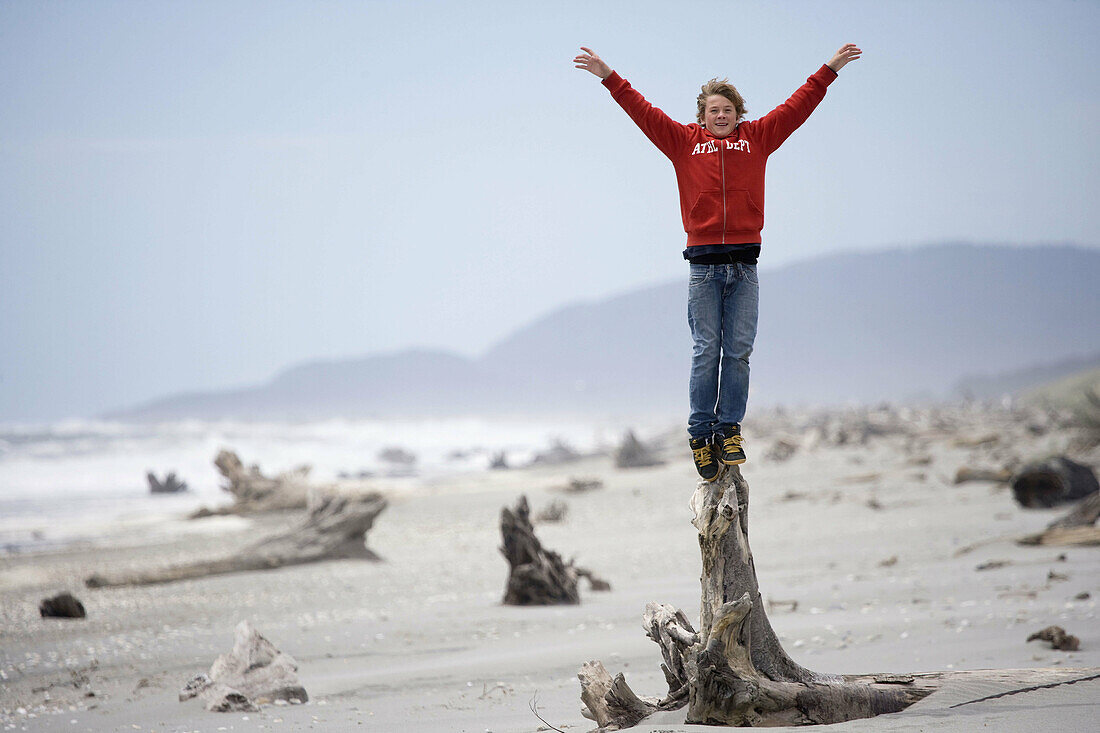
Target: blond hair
x=723 y=88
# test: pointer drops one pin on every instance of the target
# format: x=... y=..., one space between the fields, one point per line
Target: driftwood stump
x=254 y=493
x=633 y=454
x=537 y=576
x=335 y=529
x=733 y=670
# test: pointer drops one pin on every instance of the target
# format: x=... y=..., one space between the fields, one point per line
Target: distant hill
x=899 y=325
x=1078 y=393
x=1036 y=378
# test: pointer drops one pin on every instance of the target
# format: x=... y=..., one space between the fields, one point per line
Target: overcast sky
x=194 y=195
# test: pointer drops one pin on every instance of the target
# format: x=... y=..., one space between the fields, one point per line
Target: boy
x=719 y=165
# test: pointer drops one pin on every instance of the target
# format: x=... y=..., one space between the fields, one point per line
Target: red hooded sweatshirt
x=721 y=181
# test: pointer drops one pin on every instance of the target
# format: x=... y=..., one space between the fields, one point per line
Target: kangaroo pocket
x=706 y=213
x=742 y=213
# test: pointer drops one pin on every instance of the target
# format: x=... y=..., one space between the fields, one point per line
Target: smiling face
x=719 y=115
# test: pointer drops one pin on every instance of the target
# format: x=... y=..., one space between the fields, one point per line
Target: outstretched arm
x=848 y=52
x=777 y=125
x=662 y=131
x=592 y=63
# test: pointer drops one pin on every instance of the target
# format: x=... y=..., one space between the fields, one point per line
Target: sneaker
x=728 y=445
x=705 y=464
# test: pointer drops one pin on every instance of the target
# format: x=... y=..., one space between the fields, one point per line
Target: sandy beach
x=856 y=542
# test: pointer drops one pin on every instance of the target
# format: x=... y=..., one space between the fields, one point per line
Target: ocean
x=69 y=481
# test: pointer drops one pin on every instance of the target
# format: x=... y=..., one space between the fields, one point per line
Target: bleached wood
x=335 y=529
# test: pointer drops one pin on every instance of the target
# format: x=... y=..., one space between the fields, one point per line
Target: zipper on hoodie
x=722 y=158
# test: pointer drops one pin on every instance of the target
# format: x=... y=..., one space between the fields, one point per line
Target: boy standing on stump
x=719 y=165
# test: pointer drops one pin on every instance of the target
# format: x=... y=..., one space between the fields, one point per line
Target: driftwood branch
x=335 y=529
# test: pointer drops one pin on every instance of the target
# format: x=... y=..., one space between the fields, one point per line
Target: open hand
x=848 y=52
x=589 y=61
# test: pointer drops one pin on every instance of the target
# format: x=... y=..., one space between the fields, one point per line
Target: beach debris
x=400 y=462
x=170 y=485
x=555 y=511
x=62 y=605
x=334 y=529
x=359 y=475
x=1082 y=596
x=993 y=564
x=996 y=475
x=253 y=673
x=559 y=453
x=1058 y=638
x=499 y=461
x=1053 y=576
x=254 y=493
x=580 y=485
x=397 y=455
x=536 y=576
x=782 y=450
x=775 y=604
x=888 y=562
x=633 y=454
x=594 y=583
x=980 y=441
x=1076 y=528
x=1051 y=482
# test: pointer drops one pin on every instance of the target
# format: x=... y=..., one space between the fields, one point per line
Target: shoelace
x=702 y=455
x=732 y=443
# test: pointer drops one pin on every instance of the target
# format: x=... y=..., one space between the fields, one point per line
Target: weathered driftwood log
x=733 y=671
x=536 y=576
x=1057 y=480
x=170 y=485
x=254 y=493
x=63 y=605
x=335 y=529
x=253 y=673
x=1076 y=528
x=996 y=475
x=633 y=454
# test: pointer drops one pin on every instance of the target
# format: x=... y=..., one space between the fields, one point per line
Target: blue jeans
x=723 y=302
